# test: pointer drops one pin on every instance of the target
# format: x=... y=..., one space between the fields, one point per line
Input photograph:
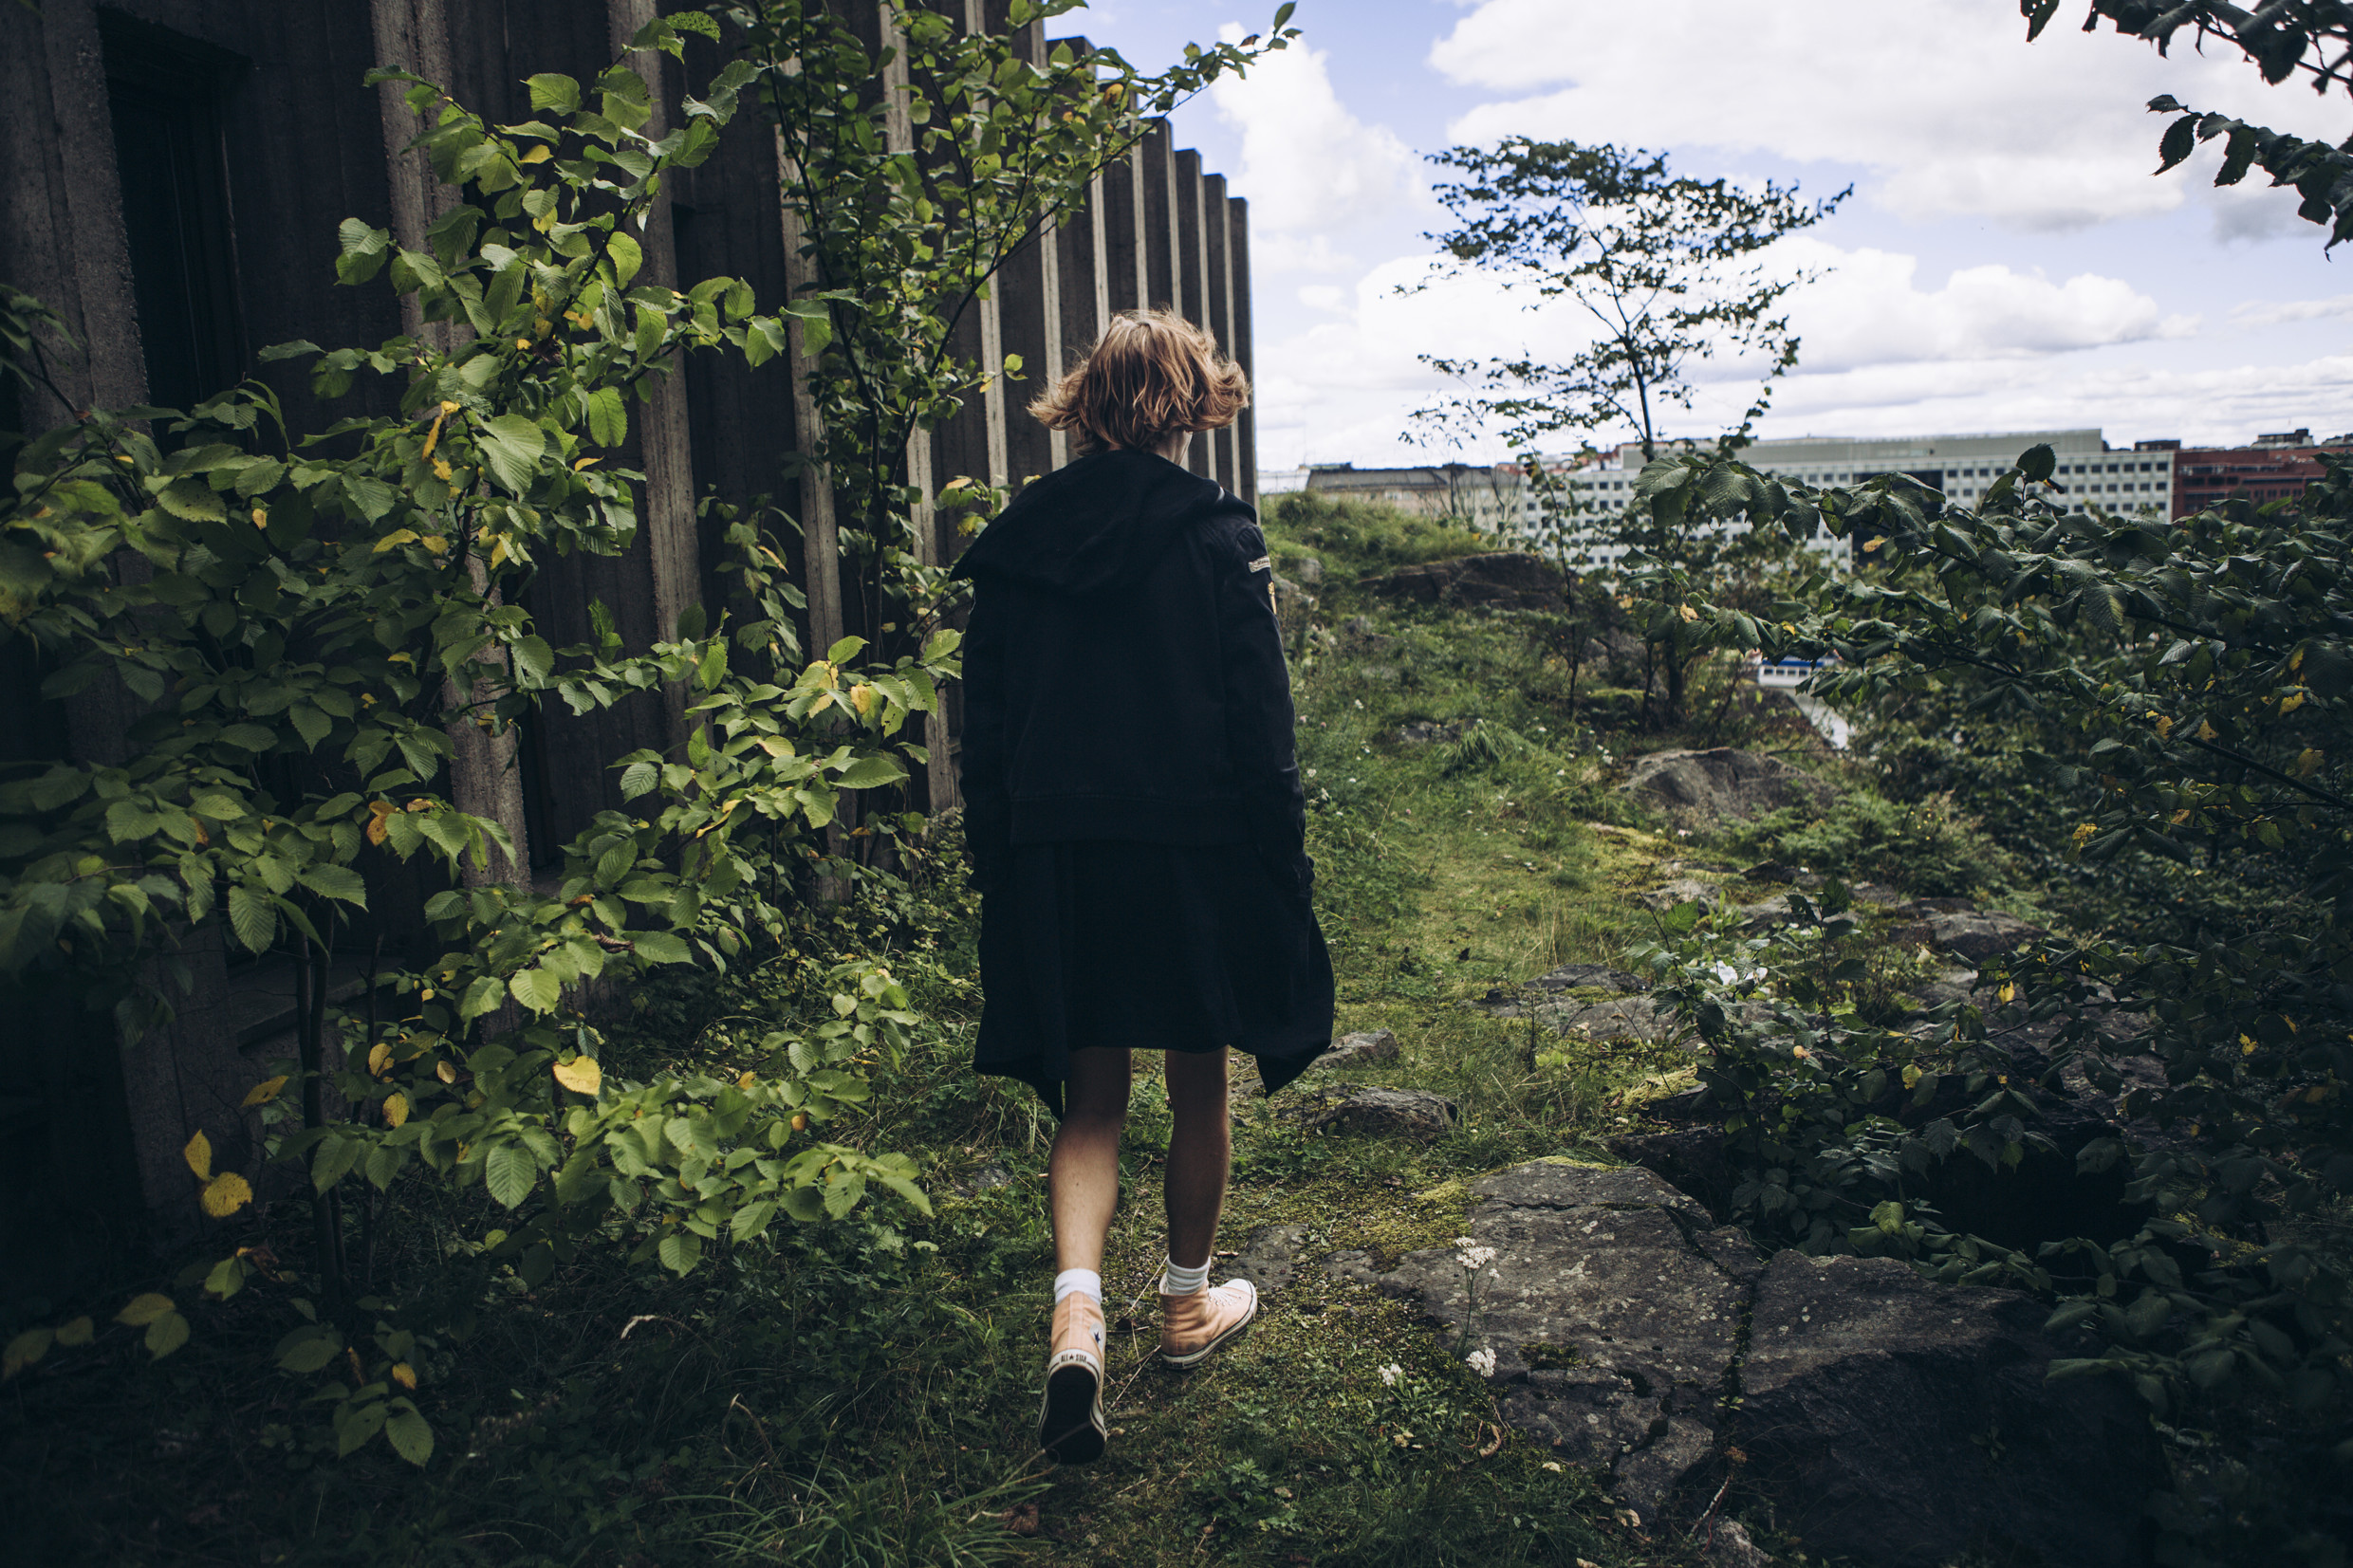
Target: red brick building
x=2275 y=466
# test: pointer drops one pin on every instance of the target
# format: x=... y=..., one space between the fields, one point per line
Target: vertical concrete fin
x=1246 y=428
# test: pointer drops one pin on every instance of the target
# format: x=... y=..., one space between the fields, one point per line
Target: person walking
x=1136 y=826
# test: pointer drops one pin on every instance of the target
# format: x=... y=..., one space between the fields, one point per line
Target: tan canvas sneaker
x=1070 y=1418
x=1192 y=1326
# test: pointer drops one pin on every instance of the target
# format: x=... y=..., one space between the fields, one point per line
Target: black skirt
x=1153 y=947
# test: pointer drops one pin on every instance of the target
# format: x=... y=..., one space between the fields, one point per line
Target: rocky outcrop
x=1902 y=1423
x=1613 y=1311
x=1725 y=782
x=1504 y=581
x=1268 y=1258
x=1887 y=1420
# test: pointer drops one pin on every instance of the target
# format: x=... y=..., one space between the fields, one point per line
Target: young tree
x=1667 y=267
x=1670 y=270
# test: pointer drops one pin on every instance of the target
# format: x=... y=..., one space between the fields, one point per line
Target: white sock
x=1071 y=1281
x=1184 y=1281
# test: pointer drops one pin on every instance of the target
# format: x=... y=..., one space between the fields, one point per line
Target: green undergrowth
x=864 y=1393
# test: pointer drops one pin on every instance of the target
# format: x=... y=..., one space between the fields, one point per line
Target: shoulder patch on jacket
x=1263 y=563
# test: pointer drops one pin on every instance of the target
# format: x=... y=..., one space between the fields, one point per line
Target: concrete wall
x=301 y=146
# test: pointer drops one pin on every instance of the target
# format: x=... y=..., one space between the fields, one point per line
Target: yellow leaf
x=585 y=462
x=2009 y=992
x=395 y=1109
x=580 y=1074
x=1911 y=1076
x=446 y=1073
x=537 y=155
x=264 y=1092
x=397 y=536
x=441 y=470
x=2292 y=701
x=379 y=1058
x=1687 y=612
x=2205 y=731
x=24 y=1350
x=404 y=1374
x=1872 y=544
x=861 y=696
x=199 y=1153
x=76 y=1333
x=436 y=543
x=2164 y=729
x=145 y=1309
x=774 y=747
x=261 y=518
x=747 y=1080
x=225 y=1194
x=2307 y=760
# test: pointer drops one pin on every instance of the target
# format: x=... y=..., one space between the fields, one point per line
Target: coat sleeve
x=1259 y=723
x=988 y=802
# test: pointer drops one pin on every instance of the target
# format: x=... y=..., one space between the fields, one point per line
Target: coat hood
x=1101 y=523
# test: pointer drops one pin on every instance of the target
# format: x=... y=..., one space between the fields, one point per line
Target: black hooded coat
x=1131 y=788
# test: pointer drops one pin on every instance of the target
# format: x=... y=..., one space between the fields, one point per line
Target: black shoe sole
x=1070 y=1425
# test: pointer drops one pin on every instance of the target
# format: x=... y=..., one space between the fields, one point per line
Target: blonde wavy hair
x=1150 y=375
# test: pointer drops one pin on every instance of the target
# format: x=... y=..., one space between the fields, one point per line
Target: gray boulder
x=1612 y=1309
x=1725 y=1544
x=1683 y=890
x=1980 y=937
x=1359 y=1050
x=1723 y=783
x=1902 y=1423
x=1392 y=1113
x=1505 y=1002
x=1506 y=580
x=1614 y=1018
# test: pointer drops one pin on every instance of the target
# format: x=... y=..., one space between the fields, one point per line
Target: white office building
x=1962 y=467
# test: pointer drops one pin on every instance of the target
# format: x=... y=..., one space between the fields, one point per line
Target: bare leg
x=1200 y=1151
x=1082 y=1173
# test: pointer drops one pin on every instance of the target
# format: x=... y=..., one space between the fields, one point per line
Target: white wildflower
x=1390 y=1374
x=1482 y=1361
x=1470 y=1255
x=1723 y=972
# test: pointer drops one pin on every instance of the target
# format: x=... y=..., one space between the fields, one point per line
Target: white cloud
x=1875 y=339
x=2263 y=313
x=1955 y=114
x=1868 y=308
x=1308 y=165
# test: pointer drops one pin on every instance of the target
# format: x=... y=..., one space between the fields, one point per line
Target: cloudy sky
x=2006 y=263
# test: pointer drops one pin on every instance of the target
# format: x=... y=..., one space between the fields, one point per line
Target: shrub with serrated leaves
x=309 y=619
x=2186 y=682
